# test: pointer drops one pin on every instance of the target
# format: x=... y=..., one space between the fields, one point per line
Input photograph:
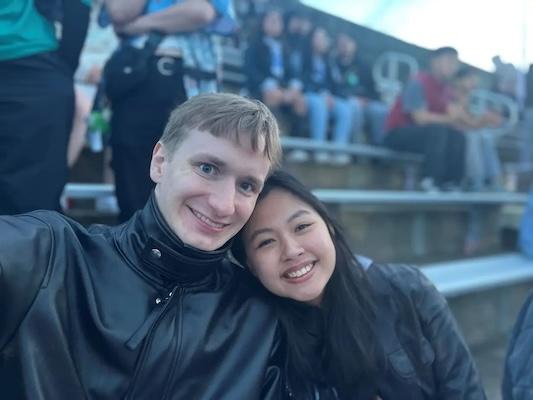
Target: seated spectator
x=421 y=121
x=526 y=229
x=508 y=80
x=354 y=81
x=298 y=26
x=321 y=102
x=482 y=164
x=518 y=371
x=267 y=71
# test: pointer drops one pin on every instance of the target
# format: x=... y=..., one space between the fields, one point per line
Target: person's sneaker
x=322 y=157
x=340 y=159
x=297 y=156
x=428 y=185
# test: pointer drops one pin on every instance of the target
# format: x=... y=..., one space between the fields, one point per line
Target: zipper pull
x=141 y=332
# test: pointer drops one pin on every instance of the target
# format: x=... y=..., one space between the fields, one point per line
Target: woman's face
x=320 y=41
x=289 y=247
x=273 y=24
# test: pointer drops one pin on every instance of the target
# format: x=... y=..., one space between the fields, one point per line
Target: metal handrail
x=386 y=73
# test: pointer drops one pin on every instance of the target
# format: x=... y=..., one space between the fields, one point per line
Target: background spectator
x=37 y=99
x=298 y=27
x=267 y=71
x=184 y=64
x=421 y=121
x=482 y=164
x=321 y=102
x=354 y=81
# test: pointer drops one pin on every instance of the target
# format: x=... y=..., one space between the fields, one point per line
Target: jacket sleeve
x=518 y=374
x=456 y=376
x=25 y=251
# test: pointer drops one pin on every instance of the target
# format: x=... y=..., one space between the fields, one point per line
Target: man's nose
x=222 y=200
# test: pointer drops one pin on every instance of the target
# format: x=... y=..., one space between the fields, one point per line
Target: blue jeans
x=374 y=113
x=319 y=116
x=482 y=160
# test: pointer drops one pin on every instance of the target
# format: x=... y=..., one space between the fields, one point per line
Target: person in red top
x=422 y=118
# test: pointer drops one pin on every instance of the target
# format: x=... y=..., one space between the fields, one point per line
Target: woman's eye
x=264 y=243
x=207 y=169
x=301 y=227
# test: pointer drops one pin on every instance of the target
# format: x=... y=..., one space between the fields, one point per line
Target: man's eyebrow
x=297 y=214
x=211 y=158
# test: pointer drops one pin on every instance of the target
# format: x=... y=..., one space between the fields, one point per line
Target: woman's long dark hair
x=348 y=341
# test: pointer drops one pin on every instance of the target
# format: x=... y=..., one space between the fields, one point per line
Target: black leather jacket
x=518 y=372
x=423 y=355
x=127 y=313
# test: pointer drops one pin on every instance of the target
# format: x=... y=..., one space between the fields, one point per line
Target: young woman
x=318 y=86
x=267 y=69
x=355 y=329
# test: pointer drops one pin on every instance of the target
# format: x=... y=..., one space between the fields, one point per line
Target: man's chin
x=205 y=244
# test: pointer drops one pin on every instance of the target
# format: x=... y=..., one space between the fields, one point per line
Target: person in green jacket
x=40 y=42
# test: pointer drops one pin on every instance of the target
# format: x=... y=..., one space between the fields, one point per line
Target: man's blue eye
x=247 y=187
x=207 y=169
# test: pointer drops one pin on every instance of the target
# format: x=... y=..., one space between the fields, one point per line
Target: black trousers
x=443 y=149
x=36 y=111
x=137 y=123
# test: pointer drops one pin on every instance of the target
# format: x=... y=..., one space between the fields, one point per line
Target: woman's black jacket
x=518 y=371
x=423 y=354
x=127 y=312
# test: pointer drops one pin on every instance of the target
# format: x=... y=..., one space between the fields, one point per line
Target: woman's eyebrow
x=297 y=214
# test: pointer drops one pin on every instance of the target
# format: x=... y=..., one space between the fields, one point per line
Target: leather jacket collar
x=161 y=256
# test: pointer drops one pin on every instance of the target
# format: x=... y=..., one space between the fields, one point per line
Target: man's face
x=446 y=65
x=346 y=46
x=207 y=189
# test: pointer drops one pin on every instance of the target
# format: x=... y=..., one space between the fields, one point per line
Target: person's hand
x=492 y=119
x=138 y=26
x=455 y=113
x=94 y=75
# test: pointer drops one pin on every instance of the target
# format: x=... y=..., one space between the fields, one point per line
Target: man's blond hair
x=225 y=115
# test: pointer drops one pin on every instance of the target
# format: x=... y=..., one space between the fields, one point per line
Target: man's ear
x=159 y=156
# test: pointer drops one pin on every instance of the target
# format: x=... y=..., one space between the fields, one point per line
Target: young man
x=421 y=121
x=150 y=309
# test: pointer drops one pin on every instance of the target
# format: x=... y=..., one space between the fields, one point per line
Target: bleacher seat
x=460 y=277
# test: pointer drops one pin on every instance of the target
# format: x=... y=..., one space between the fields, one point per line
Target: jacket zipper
x=175 y=361
x=145 y=332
